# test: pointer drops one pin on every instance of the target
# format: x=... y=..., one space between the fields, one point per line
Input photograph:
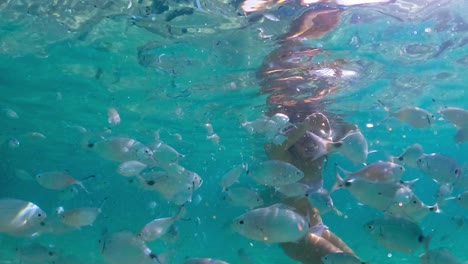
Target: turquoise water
x=64 y=65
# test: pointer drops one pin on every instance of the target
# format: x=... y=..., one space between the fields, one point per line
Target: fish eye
x=51 y=253
x=400 y=158
x=347 y=183
x=241 y=222
x=39 y=215
x=415 y=202
x=456 y=171
x=420 y=238
x=370 y=227
x=150 y=182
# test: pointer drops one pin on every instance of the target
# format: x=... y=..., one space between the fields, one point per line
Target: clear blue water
x=64 y=65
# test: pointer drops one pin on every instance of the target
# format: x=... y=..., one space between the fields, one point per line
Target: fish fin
x=450 y=198
x=82 y=186
x=337 y=212
x=334 y=146
x=427 y=240
x=345 y=172
x=409 y=184
x=338 y=183
x=435 y=208
x=180 y=213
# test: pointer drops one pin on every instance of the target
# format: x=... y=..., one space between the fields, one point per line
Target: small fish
x=243 y=197
x=273 y=224
x=18 y=215
x=456 y=116
x=293 y=189
x=10 y=113
x=124 y=247
x=412 y=115
x=122 y=149
x=267 y=125
x=172 y=235
x=78 y=217
x=414 y=209
x=36 y=253
x=441 y=168
x=113 y=116
x=354 y=147
x=341 y=258
x=232 y=176
x=275 y=173
x=410 y=156
x=379 y=195
x=444 y=191
x=163 y=153
x=159 y=227
x=131 y=168
x=322 y=200
x=461 y=199
x=381 y=171
x=204 y=261
x=438 y=256
x=462 y=135
x=397 y=233
x=57 y=180
x=313 y=147
x=23 y=175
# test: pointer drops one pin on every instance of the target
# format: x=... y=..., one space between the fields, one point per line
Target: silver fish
x=321 y=199
x=243 y=197
x=409 y=156
x=18 y=215
x=232 y=176
x=293 y=189
x=275 y=173
x=379 y=195
x=462 y=135
x=461 y=199
x=354 y=147
x=159 y=227
x=413 y=116
x=164 y=154
x=397 y=233
x=438 y=256
x=456 y=116
x=124 y=247
x=381 y=171
x=57 y=180
x=36 y=253
x=414 y=209
x=78 y=217
x=122 y=149
x=441 y=168
x=131 y=168
x=273 y=224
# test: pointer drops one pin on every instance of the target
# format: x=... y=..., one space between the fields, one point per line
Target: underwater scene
x=233 y=131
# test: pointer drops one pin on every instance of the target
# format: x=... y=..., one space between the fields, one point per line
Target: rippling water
x=64 y=64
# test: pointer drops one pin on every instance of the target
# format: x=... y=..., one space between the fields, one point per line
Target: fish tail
x=334 y=146
x=182 y=211
x=427 y=240
x=338 y=182
x=435 y=208
x=82 y=186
